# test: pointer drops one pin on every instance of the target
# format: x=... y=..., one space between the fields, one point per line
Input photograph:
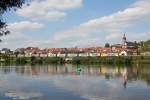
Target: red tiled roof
x=90 y=49
x=55 y=50
x=106 y=50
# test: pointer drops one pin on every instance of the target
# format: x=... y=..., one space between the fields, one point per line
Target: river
x=74 y=82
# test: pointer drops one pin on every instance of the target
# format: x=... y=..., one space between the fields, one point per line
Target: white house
x=94 y=54
x=28 y=54
x=61 y=55
x=43 y=55
x=51 y=54
x=83 y=54
x=72 y=54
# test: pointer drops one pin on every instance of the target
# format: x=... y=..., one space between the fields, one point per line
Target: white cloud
x=111 y=26
x=22 y=95
x=36 y=42
x=51 y=16
x=138 y=36
x=120 y=20
x=13 y=36
x=93 y=32
x=48 y=9
x=19 y=40
x=25 y=25
x=113 y=36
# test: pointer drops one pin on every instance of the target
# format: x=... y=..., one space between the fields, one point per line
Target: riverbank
x=76 y=60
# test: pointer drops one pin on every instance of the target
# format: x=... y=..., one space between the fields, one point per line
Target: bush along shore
x=75 y=60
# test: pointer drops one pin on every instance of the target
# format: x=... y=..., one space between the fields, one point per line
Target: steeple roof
x=124 y=37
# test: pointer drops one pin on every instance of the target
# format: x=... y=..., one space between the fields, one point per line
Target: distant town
x=124 y=49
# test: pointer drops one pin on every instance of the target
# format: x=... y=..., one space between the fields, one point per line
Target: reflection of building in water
x=110 y=71
x=124 y=72
x=124 y=75
x=133 y=73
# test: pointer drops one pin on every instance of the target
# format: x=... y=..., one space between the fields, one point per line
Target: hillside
x=146 y=46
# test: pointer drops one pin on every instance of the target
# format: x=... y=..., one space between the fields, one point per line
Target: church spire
x=124 y=39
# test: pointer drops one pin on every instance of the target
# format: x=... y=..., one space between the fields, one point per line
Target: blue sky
x=82 y=23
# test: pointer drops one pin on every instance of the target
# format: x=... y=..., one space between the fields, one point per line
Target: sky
x=77 y=23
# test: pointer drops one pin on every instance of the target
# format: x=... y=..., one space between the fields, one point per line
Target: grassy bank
x=76 y=60
x=114 y=60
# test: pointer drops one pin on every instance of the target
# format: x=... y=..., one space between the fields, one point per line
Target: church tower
x=124 y=40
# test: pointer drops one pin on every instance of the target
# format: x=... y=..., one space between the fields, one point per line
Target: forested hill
x=147 y=43
x=146 y=46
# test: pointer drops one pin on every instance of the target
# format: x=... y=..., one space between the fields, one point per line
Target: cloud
x=37 y=42
x=21 y=40
x=48 y=9
x=25 y=25
x=90 y=33
x=111 y=26
x=138 y=36
x=130 y=36
x=113 y=36
x=20 y=95
x=13 y=36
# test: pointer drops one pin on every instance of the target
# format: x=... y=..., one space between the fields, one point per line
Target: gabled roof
x=106 y=50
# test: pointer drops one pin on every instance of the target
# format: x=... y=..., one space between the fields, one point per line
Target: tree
x=6 y=5
x=146 y=46
x=107 y=45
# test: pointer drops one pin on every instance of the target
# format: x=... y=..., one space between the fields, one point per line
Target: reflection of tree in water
x=7 y=70
x=20 y=69
x=140 y=72
x=134 y=73
x=35 y=70
x=145 y=73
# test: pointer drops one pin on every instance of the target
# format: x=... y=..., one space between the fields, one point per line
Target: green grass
x=76 y=60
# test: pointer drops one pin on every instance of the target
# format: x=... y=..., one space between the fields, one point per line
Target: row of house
x=126 y=48
x=72 y=52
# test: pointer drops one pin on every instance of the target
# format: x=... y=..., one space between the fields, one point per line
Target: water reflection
x=96 y=82
x=128 y=73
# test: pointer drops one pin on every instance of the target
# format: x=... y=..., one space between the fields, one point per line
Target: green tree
x=146 y=46
x=6 y=5
x=107 y=45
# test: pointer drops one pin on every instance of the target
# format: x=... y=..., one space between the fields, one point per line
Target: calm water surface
x=72 y=82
